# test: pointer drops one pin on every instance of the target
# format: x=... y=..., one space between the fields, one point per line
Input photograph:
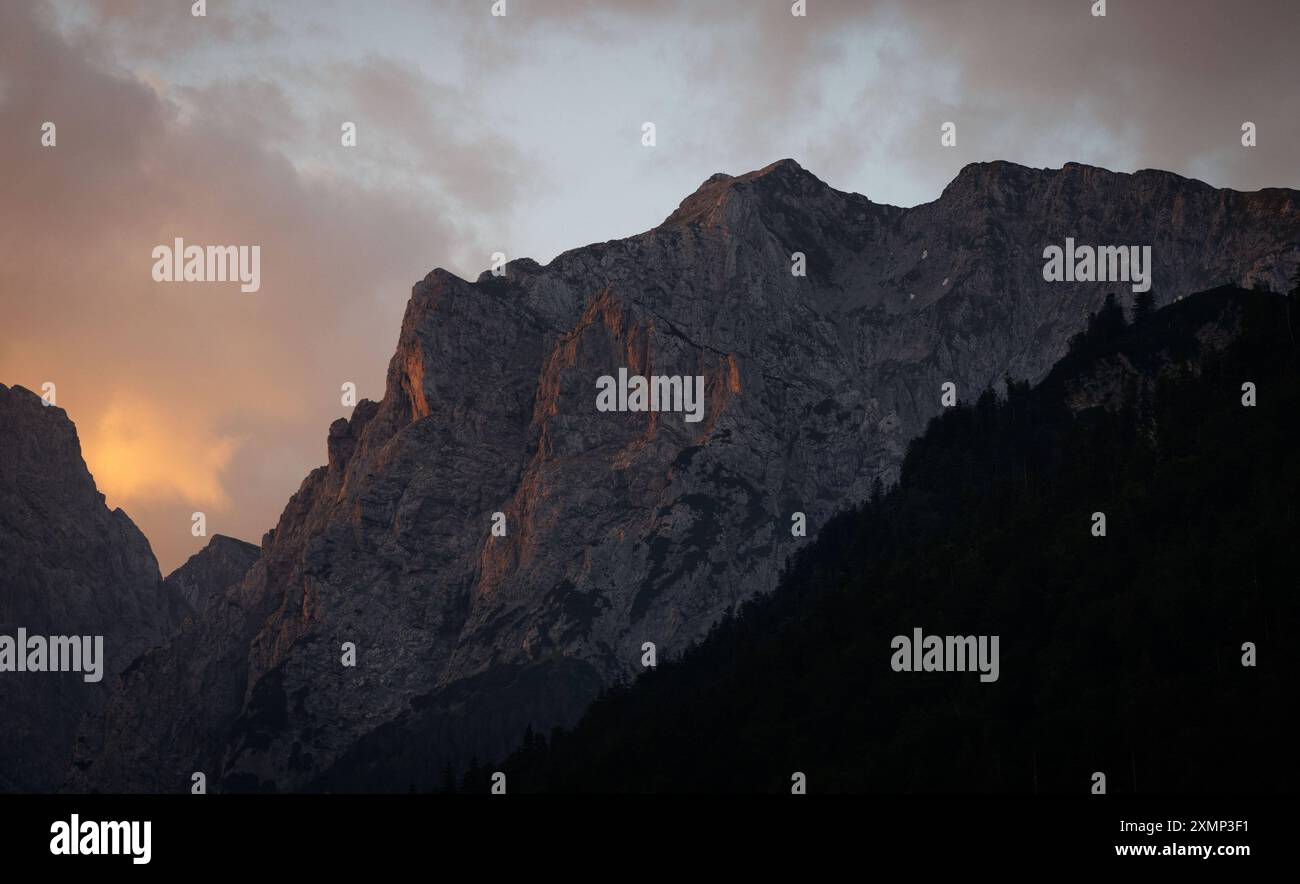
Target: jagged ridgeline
x=1121 y=654
x=497 y=543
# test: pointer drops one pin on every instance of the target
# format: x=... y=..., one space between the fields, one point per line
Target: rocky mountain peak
x=209 y=572
x=783 y=185
x=614 y=528
x=71 y=567
x=39 y=447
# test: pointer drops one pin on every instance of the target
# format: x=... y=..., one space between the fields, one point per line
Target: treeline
x=1121 y=654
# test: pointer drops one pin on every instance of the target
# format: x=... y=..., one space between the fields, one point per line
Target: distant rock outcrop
x=68 y=567
x=210 y=571
x=628 y=528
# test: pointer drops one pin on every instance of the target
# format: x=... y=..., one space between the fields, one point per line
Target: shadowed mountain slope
x=207 y=574
x=1120 y=653
x=624 y=528
x=69 y=566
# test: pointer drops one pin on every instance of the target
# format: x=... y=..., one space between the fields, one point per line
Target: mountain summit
x=496 y=549
x=71 y=568
x=207 y=573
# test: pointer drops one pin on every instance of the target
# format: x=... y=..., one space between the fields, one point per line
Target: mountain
x=626 y=528
x=210 y=571
x=1119 y=653
x=71 y=567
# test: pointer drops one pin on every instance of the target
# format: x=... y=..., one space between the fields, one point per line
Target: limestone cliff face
x=69 y=566
x=207 y=574
x=626 y=528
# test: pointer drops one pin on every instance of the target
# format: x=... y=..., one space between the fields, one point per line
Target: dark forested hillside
x=499 y=548
x=1120 y=654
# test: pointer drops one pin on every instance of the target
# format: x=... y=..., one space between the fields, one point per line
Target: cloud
x=519 y=134
x=142 y=455
x=1158 y=84
x=146 y=29
x=859 y=90
x=186 y=393
x=426 y=130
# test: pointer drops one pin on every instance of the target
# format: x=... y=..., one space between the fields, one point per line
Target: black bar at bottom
x=332 y=832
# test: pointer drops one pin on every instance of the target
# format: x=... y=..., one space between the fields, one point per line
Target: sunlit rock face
x=627 y=527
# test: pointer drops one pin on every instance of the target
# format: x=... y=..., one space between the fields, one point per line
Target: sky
x=521 y=134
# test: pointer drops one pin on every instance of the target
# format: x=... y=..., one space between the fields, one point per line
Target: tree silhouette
x=1118 y=655
x=1144 y=304
x=1107 y=323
